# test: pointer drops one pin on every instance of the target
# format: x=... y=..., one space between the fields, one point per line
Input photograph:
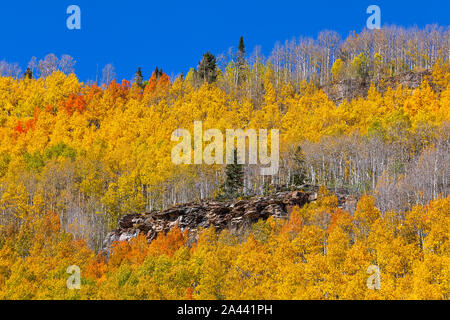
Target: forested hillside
x=76 y=157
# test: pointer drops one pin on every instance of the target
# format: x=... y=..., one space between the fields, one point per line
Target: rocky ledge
x=233 y=215
x=350 y=89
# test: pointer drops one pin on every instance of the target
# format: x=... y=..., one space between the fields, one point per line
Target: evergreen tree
x=158 y=73
x=234 y=180
x=139 y=78
x=240 y=62
x=28 y=74
x=207 y=68
x=299 y=174
x=241 y=46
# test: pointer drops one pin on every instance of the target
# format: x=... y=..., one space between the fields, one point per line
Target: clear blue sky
x=174 y=34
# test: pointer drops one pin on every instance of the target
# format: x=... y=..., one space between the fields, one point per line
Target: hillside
x=146 y=188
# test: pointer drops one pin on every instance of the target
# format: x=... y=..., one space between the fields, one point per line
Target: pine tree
x=234 y=180
x=158 y=73
x=207 y=68
x=299 y=175
x=241 y=46
x=139 y=78
x=28 y=74
x=240 y=61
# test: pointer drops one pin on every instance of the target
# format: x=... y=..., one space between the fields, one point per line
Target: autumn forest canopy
x=368 y=114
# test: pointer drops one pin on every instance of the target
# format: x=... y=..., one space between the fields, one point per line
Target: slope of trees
x=76 y=157
x=93 y=154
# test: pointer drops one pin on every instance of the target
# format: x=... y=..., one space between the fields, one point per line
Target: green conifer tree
x=240 y=62
x=234 y=180
x=139 y=78
x=298 y=177
x=207 y=68
x=28 y=74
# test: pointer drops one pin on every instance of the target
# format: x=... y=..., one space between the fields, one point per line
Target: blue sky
x=174 y=34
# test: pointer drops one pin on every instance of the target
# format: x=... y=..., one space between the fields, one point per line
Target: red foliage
x=19 y=128
x=75 y=103
x=189 y=293
x=29 y=125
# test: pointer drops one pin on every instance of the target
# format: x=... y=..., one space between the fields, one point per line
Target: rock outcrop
x=352 y=88
x=233 y=215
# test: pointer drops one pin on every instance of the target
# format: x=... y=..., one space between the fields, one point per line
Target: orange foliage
x=157 y=86
x=169 y=243
x=97 y=268
x=75 y=103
